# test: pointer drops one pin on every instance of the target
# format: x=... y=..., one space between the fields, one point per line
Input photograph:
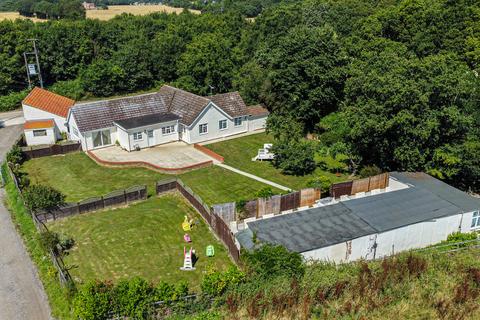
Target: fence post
x=125 y=196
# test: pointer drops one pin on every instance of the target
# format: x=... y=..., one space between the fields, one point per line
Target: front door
x=151 y=138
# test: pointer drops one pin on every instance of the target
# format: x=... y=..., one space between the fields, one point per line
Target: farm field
x=79 y=178
x=110 y=13
x=145 y=239
x=239 y=152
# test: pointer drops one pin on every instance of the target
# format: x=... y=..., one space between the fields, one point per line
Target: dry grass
x=110 y=13
x=15 y=15
x=135 y=10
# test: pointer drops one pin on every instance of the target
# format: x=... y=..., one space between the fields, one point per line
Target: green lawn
x=239 y=152
x=145 y=239
x=218 y=185
x=79 y=177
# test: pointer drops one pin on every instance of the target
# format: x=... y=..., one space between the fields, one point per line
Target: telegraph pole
x=31 y=71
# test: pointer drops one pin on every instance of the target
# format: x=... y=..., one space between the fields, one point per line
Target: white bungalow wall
x=257 y=123
x=128 y=143
x=211 y=115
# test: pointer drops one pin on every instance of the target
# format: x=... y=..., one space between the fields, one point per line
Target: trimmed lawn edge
x=57 y=295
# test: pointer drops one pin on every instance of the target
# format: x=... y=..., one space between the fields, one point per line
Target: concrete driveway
x=21 y=292
x=11 y=118
x=170 y=155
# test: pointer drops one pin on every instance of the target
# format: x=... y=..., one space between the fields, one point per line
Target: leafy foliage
x=293 y=157
x=40 y=197
x=15 y=155
x=321 y=182
x=265 y=192
x=216 y=283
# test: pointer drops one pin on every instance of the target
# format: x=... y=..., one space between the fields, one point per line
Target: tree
x=40 y=197
x=293 y=157
x=103 y=78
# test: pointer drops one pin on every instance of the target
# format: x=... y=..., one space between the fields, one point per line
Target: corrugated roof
x=146 y=120
x=426 y=199
x=257 y=110
x=38 y=124
x=48 y=101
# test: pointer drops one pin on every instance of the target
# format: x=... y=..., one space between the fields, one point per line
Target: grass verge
x=57 y=295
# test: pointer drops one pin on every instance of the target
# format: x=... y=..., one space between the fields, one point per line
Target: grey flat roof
x=147 y=120
x=311 y=229
x=426 y=199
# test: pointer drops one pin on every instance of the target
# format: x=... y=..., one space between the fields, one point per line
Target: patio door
x=151 y=138
x=101 y=138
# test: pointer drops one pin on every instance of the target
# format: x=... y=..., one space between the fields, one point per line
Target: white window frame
x=168 y=130
x=75 y=132
x=220 y=124
x=203 y=125
x=235 y=120
x=150 y=133
x=40 y=133
x=475 y=220
x=138 y=136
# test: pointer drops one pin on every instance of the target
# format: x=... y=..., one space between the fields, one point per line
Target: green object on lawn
x=210 y=251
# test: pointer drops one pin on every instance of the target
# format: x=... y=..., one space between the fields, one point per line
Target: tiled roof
x=38 y=124
x=147 y=120
x=102 y=114
x=232 y=103
x=48 y=101
x=257 y=110
x=182 y=103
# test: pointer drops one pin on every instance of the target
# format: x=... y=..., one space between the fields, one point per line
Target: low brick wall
x=209 y=152
x=148 y=165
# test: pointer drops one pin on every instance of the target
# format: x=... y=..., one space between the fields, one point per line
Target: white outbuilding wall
x=31 y=113
x=257 y=123
x=49 y=138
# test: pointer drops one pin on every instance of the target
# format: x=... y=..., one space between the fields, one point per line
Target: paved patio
x=175 y=155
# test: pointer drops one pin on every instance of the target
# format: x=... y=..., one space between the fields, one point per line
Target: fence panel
x=225 y=211
x=307 y=197
x=290 y=201
x=92 y=204
x=250 y=210
x=340 y=189
x=165 y=185
x=50 y=150
x=361 y=185
x=115 y=198
x=379 y=181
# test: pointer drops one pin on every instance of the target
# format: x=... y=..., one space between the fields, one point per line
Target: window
x=150 y=133
x=101 y=138
x=203 y=128
x=238 y=121
x=75 y=132
x=222 y=124
x=475 y=220
x=168 y=130
x=39 y=133
x=137 y=136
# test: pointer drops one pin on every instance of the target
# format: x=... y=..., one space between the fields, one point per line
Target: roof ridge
x=114 y=99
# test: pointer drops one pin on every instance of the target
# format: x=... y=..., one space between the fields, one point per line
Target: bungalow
x=168 y=115
x=417 y=212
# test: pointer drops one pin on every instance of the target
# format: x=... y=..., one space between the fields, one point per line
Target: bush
x=271 y=261
x=71 y=88
x=320 y=182
x=52 y=241
x=94 y=301
x=293 y=157
x=265 y=192
x=459 y=237
x=215 y=283
x=15 y=155
x=133 y=298
x=369 y=171
x=40 y=197
x=12 y=101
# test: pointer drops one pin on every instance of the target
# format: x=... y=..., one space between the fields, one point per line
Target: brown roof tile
x=232 y=103
x=38 y=124
x=257 y=110
x=48 y=101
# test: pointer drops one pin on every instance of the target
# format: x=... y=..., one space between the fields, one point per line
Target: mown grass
x=144 y=239
x=57 y=295
x=239 y=152
x=79 y=178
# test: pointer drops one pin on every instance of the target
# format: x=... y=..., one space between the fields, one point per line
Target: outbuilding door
x=151 y=138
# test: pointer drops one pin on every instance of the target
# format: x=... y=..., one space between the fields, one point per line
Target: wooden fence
x=362 y=185
x=63 y=275
x=113 y=199
x=221 y=229
x=50 y=150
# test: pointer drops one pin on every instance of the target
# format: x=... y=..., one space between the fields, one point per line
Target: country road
x=21 y=292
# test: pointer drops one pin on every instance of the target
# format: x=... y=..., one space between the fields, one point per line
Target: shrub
x=271 y=260
x=15 y=155
x=369 y=171
x=52 y=241
x=215 y=283
x=12 y=101
x=94 y=301
x=294 y=157
x=40 y=197
x=320 y=182
x=71 y=88
x=240 y=208
x=133 y=298
x=265 y=192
